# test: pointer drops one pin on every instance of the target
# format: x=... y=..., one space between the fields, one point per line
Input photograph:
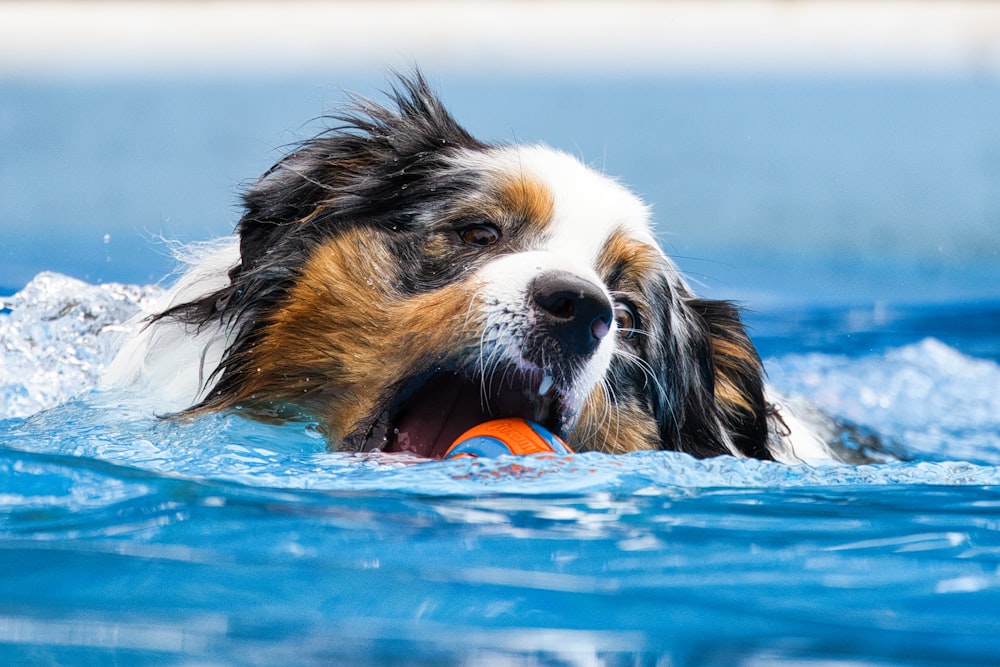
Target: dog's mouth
x=428 y=415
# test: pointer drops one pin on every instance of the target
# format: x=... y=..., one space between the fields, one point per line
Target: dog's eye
x=625 y=319
x=480 y=235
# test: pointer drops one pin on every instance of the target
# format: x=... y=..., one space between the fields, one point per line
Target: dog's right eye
x=626 y=319
x=479 y=235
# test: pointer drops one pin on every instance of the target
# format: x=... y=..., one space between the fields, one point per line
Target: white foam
x=58 y=338
x=927 y=395
x=60 y=335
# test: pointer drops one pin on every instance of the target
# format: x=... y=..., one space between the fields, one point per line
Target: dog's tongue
x=445 y=407
x=439 y=412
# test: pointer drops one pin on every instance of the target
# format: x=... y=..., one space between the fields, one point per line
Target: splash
x=57 y=338
x=59 y=334
x=936 y=401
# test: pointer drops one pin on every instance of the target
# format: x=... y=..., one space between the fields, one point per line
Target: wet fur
x=349 y=285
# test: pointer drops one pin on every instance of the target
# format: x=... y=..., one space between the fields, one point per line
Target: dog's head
x=401 y=281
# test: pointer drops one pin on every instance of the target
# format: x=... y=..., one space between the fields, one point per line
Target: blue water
x=857 y=189
x=858 y=222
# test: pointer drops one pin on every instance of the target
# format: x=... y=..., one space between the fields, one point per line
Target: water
x=889 y=183
x=126 y=539
x=221 y=540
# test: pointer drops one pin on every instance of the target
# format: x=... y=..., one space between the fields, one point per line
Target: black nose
x=575 y=311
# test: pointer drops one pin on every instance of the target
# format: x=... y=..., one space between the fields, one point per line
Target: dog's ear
x=736 y=376
x=708 y=398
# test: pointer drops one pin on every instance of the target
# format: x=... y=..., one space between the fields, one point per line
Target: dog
x=397 y=281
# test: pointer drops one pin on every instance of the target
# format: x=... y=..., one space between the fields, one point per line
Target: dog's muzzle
x=535 y=372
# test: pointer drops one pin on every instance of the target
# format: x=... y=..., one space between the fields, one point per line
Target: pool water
x=221 y=540
x=856 y=220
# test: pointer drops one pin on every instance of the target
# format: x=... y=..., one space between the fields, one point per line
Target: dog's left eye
x=625 y=319
x=480 y=235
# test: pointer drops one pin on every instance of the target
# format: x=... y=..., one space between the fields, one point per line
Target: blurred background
x=793 y=151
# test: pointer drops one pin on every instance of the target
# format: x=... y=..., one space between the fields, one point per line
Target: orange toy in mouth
x=506 y=436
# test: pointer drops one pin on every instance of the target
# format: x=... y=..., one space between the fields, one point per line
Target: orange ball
x=506 y=436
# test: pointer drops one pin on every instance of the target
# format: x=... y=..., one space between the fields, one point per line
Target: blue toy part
x=480 y=446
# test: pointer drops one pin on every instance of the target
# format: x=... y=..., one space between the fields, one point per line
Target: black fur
x=375 y=167
x=380 y=167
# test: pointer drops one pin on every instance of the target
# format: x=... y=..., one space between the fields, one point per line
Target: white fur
x=168 y=361
x=588 y=204
x=172 y=363
x=807 y=430
x=587 y=208
x=505 y=285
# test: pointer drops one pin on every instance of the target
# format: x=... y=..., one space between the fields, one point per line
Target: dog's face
x=402 y=282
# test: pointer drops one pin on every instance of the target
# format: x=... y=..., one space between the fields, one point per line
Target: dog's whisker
x=396 y=218
x=611 y=414
x=610 y=404
x=593 y=426
x=647 y=371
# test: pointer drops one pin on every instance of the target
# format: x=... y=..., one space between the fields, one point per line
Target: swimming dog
x=398 y=281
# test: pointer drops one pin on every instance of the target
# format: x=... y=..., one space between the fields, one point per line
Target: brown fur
x=526 y=199
x=730 y=358
x=357 y=282
x=614 y=425
x=626 y=263
x=344 y=337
